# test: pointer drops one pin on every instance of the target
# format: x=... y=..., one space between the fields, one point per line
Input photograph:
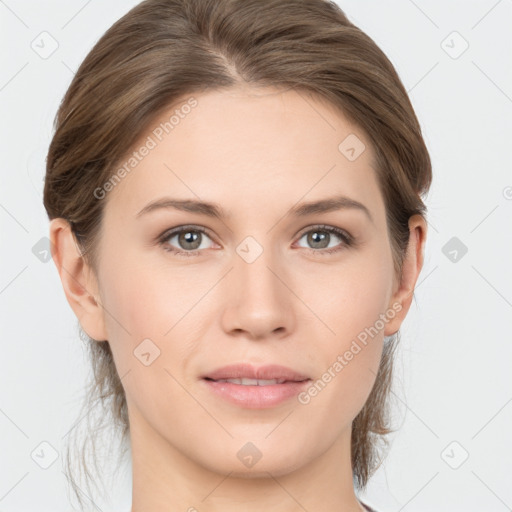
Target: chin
x=275 y=464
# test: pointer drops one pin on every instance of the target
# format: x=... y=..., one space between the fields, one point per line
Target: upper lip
x=244 y=370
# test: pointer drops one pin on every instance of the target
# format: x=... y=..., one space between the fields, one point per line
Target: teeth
x=253 y=382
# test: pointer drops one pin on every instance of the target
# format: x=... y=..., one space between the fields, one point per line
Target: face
x=268 y=280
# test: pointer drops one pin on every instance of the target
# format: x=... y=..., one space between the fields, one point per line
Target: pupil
x=189 y=237
x=321 y=239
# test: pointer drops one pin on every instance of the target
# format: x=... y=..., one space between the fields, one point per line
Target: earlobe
x=411 y=268
x=78 y=280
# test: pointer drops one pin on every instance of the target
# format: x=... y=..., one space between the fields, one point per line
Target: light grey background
x=453 y=390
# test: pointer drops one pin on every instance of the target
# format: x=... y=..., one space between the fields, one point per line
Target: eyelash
x=347 y=239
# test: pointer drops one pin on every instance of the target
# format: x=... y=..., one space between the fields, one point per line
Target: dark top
x=367 y=507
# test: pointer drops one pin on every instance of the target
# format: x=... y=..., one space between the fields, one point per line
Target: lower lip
x=256 y=397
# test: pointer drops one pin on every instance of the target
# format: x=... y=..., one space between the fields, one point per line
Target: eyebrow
x=326 y=205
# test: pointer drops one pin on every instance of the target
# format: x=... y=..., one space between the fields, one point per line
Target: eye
x=188 y=239
x=320 y=239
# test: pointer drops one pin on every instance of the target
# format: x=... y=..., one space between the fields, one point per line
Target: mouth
x=247 y=374
x=255 y=382
x=255 y=388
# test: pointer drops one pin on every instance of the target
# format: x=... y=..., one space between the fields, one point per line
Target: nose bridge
x=252 y=268
x=259 y=302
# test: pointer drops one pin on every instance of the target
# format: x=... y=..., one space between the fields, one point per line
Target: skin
x=258 y=153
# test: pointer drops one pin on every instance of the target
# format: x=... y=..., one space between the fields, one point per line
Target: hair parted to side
x=165 y=50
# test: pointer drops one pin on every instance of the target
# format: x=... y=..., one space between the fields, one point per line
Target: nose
x=258 y=302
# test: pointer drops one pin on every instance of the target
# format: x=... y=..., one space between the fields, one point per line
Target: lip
x=253 y=396
x=267 y=372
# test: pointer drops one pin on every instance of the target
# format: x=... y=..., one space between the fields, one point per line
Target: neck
x=165 y=478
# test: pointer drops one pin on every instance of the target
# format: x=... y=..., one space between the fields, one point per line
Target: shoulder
x=368 y=508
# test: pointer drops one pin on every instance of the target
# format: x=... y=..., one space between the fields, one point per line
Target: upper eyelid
x=326 y=227
x=179 y=229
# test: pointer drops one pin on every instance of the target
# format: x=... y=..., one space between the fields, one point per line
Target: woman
x=235 y=194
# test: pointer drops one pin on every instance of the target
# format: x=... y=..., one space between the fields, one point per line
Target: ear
x=413 y=262
x=78 y=279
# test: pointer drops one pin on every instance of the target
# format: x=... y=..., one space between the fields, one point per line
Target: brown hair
x=165 y=50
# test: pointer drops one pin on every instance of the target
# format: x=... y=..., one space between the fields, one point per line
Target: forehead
x=247 y=148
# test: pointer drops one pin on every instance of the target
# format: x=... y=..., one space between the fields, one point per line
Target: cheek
x=148 y=300
x=144 y=301
x=356 y=313
x=353 y=299
x=143 y=310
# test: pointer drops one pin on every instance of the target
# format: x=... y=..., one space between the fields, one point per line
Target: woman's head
x=260 y=108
